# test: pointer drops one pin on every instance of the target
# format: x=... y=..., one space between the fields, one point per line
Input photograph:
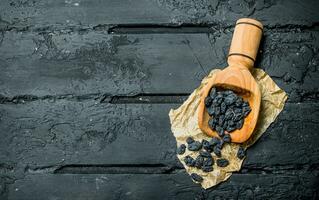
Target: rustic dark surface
x=86 y=87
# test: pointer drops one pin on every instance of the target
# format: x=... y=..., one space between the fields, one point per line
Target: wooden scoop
x=237 y=77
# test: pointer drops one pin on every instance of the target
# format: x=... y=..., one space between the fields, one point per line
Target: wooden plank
x=286 y=141
x=85 y=132
x=46 y=133
x=61 y=14
x=97 y=63
x=170 y=186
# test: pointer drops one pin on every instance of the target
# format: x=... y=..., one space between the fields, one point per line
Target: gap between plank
x=155 y=28
x=147 y=99
x=161 y=169
x=105 y=169
x=142 y=98
x=192 y=28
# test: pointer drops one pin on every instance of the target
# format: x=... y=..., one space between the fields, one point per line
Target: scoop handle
x=245 y=43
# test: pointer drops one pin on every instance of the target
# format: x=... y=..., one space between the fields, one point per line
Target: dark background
x=86 y=87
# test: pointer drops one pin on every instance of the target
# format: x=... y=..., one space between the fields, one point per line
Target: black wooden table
x=86 y=87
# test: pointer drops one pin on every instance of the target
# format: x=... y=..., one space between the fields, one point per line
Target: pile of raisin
x=227 y=111
x=204 y=160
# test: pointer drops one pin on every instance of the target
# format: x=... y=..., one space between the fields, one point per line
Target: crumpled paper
x=184 y=122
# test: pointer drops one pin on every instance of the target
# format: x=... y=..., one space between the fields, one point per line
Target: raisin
x=230 y=99
x=239 y=102
x=199 y=162
x=222 y=117
x=205 y=143
x=210 y=149
x=207 y=146
x=225 y=125
x=230 y=128
x=214 y=141
x=189 y=161
x=245 y=104
x=241 y=153
x=208 y=161
x=229 y=114
x=212 y=123
x=195 y=146
x=219 y=95
x=222 y=162
x=227 y=138
x=197 y=177
x=231 y=123
x=181 y=149
x=238 y=116
x=229 y=92
x=223 y=107
x=210 y=111
x=190 y=140
x=238 y=111
x=221 y=120
x=220 y=144
x=214 y=103
x=217 y=110
x=240 y=124
x=208 y=101
x=218 y=129
x=205 y=154
x=215 y=121
x=207 y=168
x=213 y=93
x=217 y=151
x=246 y=110
x=220 y=100
x=221 y=132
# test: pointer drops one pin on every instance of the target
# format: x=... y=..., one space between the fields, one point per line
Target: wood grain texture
x=86 y=85
x=75 y=14
x=87 y=132
x=96 y=63
x=42 y=137
x=172 y=186
x=245 y=42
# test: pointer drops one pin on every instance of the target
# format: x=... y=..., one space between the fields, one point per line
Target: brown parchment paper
x=184 y=124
